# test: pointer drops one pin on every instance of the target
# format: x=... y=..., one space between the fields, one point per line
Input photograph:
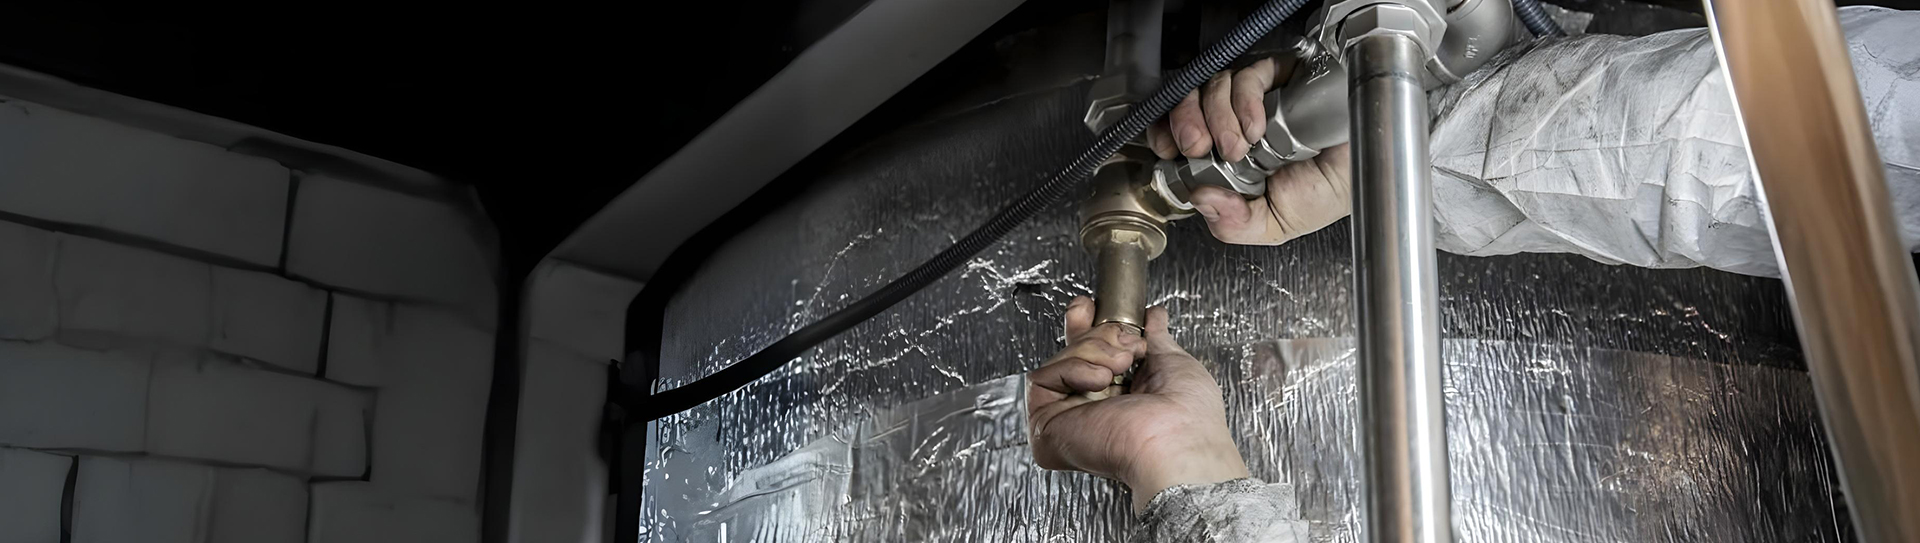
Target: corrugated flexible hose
x=1536 y=19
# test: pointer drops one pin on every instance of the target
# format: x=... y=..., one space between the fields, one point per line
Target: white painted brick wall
x=155 y=501
x=268 y=318
x=432 y=405
x=217 y=411
x=32 y=487
x=110 y=346
x=579 y=309
x=378 y=241
x=59 y=397
x=559 y=483
x=28 y=309
x=70 y=168
x=356 y=512
x=109 y=291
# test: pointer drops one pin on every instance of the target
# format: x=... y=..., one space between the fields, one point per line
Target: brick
x=357 y=512
x=58 y=397
x=357 y=335
x=258 y=506
x=74 y=169
x=559 y=480
x=340 y=435
x=431 y=408
x=32 y=487
x=384 y=242
x=28 y=308
x=215 y=411
x=579 y=309
x=110 y=291
x=156 y=501
x=268 y=318
x=116 y=500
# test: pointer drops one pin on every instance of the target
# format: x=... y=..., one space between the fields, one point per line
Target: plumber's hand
x=1227 y=113
x=1170 y=429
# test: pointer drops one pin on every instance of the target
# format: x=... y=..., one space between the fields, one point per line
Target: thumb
x=1159 y=341
x=1234 y=219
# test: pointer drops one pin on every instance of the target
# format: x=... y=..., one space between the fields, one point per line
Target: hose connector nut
x=1403 y=18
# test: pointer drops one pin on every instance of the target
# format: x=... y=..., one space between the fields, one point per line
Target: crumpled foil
x=1548 y=443
x=1585 y=401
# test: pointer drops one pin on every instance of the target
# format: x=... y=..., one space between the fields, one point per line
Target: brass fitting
x=1123 y=225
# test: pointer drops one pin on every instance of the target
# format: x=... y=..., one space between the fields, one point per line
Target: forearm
x=1237 y=510
x=1627 y=149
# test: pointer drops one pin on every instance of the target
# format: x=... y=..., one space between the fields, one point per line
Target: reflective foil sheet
x=1585 y=402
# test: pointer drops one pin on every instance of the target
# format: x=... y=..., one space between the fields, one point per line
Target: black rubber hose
x=1536 y=18
x=1211 y=61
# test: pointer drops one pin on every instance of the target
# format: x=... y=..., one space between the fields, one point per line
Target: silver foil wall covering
x=1585 y=402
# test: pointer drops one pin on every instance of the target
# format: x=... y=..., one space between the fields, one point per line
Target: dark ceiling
x=549 y=112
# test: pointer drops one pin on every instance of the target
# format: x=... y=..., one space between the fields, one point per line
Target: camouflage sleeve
x=1232 y=511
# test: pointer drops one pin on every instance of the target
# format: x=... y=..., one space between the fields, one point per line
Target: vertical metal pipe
x=1121 y=288
x=1848 y=276
x=1403 y=426
x=1133 y=43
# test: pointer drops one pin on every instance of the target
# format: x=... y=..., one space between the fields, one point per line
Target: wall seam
x=326 y=339
x=66 y=500
x=146 y=456
x=286 y=225
x=216 y=259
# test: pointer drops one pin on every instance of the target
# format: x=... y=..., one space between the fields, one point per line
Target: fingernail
x=1207 y=211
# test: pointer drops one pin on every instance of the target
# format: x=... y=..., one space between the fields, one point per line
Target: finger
x=1169 y=368
x=1044 y=404
x=1189 y=127
x=1158 y=338
x=1233 y=218
x=1069 y=376
x=1108 y=344
x=1160 y=139
x=1216 y=103
x=1052 y=444
x=1079 y=317
x=1304 y=197
x=1250 y=88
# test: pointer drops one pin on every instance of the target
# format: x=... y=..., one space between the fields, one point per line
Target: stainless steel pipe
x=1404 y=435
x=1848 y=276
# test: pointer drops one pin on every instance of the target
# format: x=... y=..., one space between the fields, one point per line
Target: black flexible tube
x=1536 y=18
x=1211 y=61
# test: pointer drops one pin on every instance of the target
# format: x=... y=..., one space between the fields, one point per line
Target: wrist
x=1195 y=464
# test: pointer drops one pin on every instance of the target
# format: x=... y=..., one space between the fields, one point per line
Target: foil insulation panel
x=1585 y=401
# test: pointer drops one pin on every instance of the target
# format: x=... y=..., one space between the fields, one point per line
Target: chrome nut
x=1168 y=185
x=1220 y=173
x=1261 y=155
x=1402 y=19
x=1107 y=102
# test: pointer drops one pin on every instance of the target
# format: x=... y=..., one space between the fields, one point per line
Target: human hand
x=1169 y=429
x=1226 y=115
